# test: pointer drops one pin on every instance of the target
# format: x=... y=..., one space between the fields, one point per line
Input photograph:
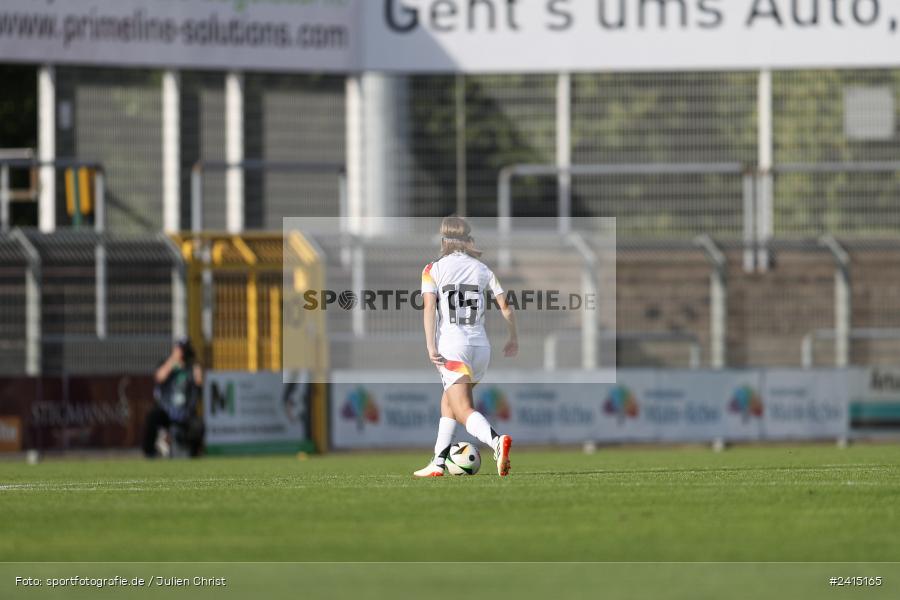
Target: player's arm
x=430 y=319
x=429 y=315
x=512 y=343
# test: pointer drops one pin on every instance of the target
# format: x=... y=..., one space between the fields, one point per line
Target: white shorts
x=464 y=360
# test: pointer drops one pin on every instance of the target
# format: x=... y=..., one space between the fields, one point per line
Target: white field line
x=114 y=486
x=721 y=478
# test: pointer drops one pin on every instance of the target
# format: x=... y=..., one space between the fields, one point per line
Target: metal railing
x=504 y=181
x=295 y=167
x=759 y=204
x=8 y=164
x=564 y=217
x=71 y=277
x=807 y=348
x=695 y=349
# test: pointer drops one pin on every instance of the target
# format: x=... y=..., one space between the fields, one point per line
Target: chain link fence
x=114 y=116
x=813 y=124
x=75 y=321
x=832 y=172
x=453 y=135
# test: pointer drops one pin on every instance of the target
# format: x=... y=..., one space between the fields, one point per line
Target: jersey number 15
x=462 y=302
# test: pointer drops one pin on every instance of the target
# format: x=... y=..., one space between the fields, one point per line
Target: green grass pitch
x=753 y=504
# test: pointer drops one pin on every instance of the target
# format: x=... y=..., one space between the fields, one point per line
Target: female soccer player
x=454 y=286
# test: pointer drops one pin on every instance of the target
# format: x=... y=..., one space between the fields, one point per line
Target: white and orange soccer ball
x=464 y=459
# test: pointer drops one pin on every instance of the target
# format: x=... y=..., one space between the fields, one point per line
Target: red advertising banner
x=66 y=413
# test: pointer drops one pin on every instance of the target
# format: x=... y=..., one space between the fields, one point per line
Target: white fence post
x=843 y=313
x=749 y=222
x=47 y=147
x=179 y=288
x=564 y=151
x=171 y=150
x=234 y=151
x=765 y=210
x=718 y=318
x=589 y=318
x=33 y=299
x=4 y=197
x=461 y=155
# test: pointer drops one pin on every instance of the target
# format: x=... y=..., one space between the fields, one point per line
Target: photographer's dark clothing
x=176 y=408
x=178 y=394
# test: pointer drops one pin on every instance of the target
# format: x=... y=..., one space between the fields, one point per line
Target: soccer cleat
x=430 y=470
x=501 y=454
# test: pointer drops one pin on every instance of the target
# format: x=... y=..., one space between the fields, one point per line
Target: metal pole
x=179 y=299
x=718 y=291
x=764 y=216
x=695 y=357
x=550 y=344
x=100 y=273
x=589 y=318
x=344 y=218
x=355 y=153
x=343 y=207
x=806 y=352
x=99 y=200
x=33 y=299
x=179 y=288
x=275 y=327
x=4 y=197
x=234 y=152
x=749 y=194
x=47 y=147
x=100 y=277
x=719 y=319
x=564 y=151
x=358 y=278
x=171 y=150
x=461 y=183
x=842 y=300
x=766 y=160
x=197 y=199
x=842 y=317
x=76 y=192
x=252 y=321
x=207 y=309
x=504 y=216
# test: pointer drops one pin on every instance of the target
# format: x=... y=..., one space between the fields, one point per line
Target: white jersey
x=460 y=283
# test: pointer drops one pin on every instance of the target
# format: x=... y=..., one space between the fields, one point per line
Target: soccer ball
x=464 y=459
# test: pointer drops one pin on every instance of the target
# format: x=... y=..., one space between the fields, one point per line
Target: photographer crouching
x=173 y=420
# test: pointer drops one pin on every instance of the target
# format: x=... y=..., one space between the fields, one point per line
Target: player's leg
x=460 y=396
x=480 y=359
x=446 y=427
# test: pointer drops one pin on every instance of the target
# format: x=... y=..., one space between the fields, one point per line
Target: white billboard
x=271 y=35
x=255 y=413
x=644 y=405
x=599 y=35
x=454 y=35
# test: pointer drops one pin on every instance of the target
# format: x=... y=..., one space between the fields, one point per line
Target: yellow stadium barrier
x=235 y=315
x=79 y=193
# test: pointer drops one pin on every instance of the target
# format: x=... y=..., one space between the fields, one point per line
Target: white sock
x=446 y=426
x=480 y=429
